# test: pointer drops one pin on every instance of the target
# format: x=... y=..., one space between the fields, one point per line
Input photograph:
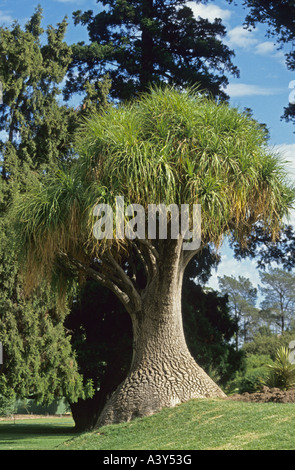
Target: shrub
x=268 y=344
x=7 y=405
x=282 y=374
x=254 y=376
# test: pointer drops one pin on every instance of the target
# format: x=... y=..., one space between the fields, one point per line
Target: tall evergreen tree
x=143 y=42
x=37 y=132
x=36 y=127
x=279 y=297
x=242 y=297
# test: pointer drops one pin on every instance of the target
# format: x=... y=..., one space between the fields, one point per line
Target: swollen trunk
x=163 y=372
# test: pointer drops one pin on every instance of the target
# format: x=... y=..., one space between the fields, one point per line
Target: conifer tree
x=36 y=133
x=144 y=42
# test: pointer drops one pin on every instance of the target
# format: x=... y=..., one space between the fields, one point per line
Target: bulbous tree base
x=147 y=390
x=163 y=373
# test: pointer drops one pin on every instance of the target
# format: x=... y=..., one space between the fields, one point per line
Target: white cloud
x=229 y=266
x=287 y=153
x=265 y=48
x=5 y=17
x=209 y=11
x=243 y=89
x=241 y=37
x=270 y=49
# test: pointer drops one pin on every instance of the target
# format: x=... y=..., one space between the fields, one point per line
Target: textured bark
x=163 y=372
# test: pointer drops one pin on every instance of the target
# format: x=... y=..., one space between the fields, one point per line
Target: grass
x=196 y=425
x=35 y=434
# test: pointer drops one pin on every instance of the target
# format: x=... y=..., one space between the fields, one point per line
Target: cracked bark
x=163 y=372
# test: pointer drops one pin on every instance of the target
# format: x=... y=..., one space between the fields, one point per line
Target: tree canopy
x=144 y=42
x=171 y=147
x=148 y=164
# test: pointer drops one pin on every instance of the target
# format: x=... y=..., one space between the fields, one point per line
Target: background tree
x=279 y=301
x=242 y=300
x=144 y=42
x=265 y=250
x=30 y=74
x=37 y=128
x=38 y=358
x=37 y=131
x=266 y=342
x=160 y=152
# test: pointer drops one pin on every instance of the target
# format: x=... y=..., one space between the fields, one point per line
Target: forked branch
x=129 y=297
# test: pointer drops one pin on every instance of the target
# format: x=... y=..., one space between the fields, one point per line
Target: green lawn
x=196 y=425
x=35 y=434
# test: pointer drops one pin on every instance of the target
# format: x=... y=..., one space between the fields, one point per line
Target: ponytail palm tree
x=167 y=147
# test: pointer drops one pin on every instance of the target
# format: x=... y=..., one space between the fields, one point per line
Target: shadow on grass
x=43 y=434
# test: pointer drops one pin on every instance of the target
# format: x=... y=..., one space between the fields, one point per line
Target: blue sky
x=263 y=84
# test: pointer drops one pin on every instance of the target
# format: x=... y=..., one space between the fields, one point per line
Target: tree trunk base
x=163 y=373
x=146 y=391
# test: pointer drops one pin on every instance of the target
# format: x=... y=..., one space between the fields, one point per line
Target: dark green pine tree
x=38 y=360
x=35 y=125
x=37 y=128
x=144 y=42
x=37 y=131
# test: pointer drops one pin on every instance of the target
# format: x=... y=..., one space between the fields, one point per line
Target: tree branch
x=125 y=279
x=103 y=279
x=151 y=256
x=188 y=255
x=143 y=261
